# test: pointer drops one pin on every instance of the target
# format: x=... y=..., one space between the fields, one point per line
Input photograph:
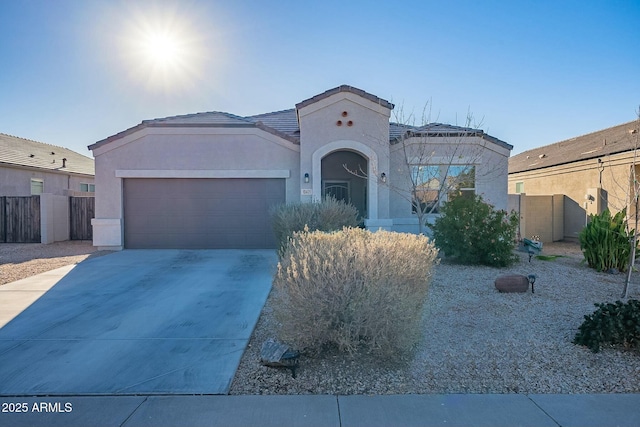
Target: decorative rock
x=278 y=355
x=512 y=283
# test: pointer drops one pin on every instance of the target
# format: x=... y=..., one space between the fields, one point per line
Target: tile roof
x=345 y=88
x=208 y=118
x=25 y=152
x=608 y=141
x=284 y=123
x=397 y=131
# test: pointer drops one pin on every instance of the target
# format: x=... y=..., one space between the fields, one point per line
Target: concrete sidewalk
x=507 y=410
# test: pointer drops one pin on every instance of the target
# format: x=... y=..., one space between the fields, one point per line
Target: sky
x=531 y=72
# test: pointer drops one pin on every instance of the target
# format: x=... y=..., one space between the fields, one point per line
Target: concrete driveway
x=137 y=322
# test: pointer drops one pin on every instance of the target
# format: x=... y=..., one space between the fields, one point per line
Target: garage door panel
x=155 y=204
x=183 y=207
x=190 y=224
x=141 y=221
x=245 y=187
x=212 y=207
x=200 y=213
x=233 y=207
x=256 y=205
x=272 y=189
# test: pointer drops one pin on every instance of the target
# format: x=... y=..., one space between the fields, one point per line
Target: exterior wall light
x=383 y=177
x=306 y=177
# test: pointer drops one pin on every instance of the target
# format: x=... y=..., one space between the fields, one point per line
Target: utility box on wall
x=595 y=201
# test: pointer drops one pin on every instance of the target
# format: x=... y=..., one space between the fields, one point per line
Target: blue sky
x=533 y=72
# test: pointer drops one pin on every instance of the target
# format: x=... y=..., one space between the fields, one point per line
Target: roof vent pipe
x=64 y=163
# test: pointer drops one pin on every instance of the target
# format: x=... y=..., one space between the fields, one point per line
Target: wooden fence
x=81 y=210
x=20 y=219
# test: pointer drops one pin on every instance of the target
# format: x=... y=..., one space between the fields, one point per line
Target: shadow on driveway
x=139 y=322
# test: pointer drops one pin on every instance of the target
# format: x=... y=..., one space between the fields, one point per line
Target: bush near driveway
x=473 y=232
x=353 y=289
x=327 y=215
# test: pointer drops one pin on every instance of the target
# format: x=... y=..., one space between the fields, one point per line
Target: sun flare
x=162 y=48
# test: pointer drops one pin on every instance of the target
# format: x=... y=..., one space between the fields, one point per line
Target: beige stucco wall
x=189 y=153
x=228 y=152
x=607 y=181
x=578 y=179
x=490 y=160
x=54 y=218
x=17 y=181
x=368 y=135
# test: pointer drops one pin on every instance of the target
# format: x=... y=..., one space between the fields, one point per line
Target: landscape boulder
x=512 y=283
x=279 y=355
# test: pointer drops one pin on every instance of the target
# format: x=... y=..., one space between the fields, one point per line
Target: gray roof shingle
x=397 y=131
x=286 y=121
x=345 y=88
x=25 y=152
x=608 y=141
x=285 y=124
x=208 y=118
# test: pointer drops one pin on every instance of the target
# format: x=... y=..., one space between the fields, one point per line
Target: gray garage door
x=200 y=213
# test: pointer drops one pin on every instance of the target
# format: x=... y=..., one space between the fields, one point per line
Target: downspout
x=64 y=165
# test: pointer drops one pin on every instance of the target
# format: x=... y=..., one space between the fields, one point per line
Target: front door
x=339 y=190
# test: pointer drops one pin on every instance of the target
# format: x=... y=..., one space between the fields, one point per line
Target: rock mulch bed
x=476 y=340
x=22 y=260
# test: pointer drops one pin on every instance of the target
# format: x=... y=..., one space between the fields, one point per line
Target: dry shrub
x=326 y=215
x=353 y=289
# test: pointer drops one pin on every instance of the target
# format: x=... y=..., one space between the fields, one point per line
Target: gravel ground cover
x=21 y=260
x=475 y=340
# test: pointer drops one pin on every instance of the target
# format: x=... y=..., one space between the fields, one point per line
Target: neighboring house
x=29 y=168
x=207 y=180
x=566 y=181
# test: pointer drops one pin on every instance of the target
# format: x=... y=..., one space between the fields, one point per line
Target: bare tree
x=437 y=159
x=634 y=193
x=434 y=161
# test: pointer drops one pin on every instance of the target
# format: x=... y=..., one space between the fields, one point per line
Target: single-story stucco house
x=208 y=180
x=29 y=168
x=562 y=183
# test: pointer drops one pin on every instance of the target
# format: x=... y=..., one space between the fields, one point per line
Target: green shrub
x=615 y=324
x=472 y=232
x=327 y=215
x=353 y=289
x=605 y=241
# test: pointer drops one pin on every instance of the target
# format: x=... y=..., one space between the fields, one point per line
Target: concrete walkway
x=133 y=322
x=508 y=410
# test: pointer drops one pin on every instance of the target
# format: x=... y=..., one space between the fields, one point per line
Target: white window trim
x=89 y=185
x=36 y=180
